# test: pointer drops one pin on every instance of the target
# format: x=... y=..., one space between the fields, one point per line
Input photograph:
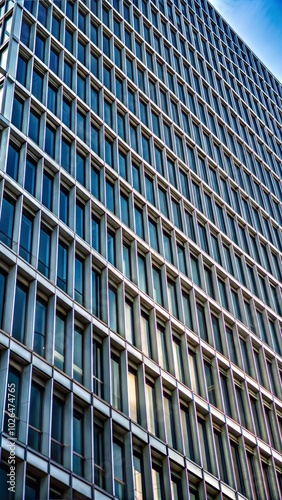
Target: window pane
x=20 y=312
x=7 y=220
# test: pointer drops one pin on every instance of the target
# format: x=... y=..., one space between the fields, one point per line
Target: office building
x=140 y=256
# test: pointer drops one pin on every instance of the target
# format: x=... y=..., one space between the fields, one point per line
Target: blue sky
x=259 y=24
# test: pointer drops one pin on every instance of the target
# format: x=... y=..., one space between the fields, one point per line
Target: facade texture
x=140 y=254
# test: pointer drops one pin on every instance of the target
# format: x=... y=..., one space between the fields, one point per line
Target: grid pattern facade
x=140 y=254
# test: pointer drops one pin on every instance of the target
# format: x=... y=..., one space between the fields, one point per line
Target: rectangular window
x=47 y=190
x=44 y=251
x=78 y=354
x=78 y=443
x=129 y=321
x=158 y=483
x=157 y=286
x=178 y=359
x=161 y=346
x=13 y=161
x=26 y=236
x=172 y=298
x=40 y=326
x=119 y=472
x=98 y=387
x=169 y=420
x=142 y=273
x=152 y=419
x=59 y=350
x=99 y=450
x=7 y=220
x=35 y=417
x=187 y=432
x=133 y=395
x=116 y=382
x=2 y=294
x=126 y=261
x=202 y=322
x=113 y=309
x=57 y=432
x=62 y=266
x=20 y=309
x=145 y=334
x=138 y=475
x=30 y=176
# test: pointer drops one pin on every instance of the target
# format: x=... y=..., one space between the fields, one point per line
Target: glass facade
x=140 y=253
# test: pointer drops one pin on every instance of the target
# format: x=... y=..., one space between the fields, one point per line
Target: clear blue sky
x=259 y=24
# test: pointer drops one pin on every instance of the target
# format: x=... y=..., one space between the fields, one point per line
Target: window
x=178 y=360
x=57 y=432
x=40 y=326
x=35 y=417
x=119 y=473
x=152 y=418
x=139 y=226
x=99 y=450
x=113 y=309
x=221 y=458
x=44 y=251
x=17 y=115
x=78 y=354
x=193 y=369
x=126 y=261
x=37 y=84
x=170 y=420
x=78 y=443
x=172 y=298
x=187 y=310
x=206 y=452
x=153 y=234
x=202 y=322
x=145 y=333
x=59 y=350
x=167 y=247
x=13 y=161
x=7 y=220
x=79 y=219
x=79 y=280
x=133 y=394
x=129 y=321
x=20 y=309
x=96 y=293
x=80 y=168
x=196 y=270
x=142 y=273
x=64 y=205
x=52 y=98
x=138 y=476
x=187 y=431
x=34 y=124
x=2 y=294
x=26 y=236
x=110 y=196
x=30 y=175
x=116 y=379
x=124 y=205
x=40 y=47
x=62 y=269
x=157 y=286
x=98 y=387
x=111 y=247
x=47 y=190
x=158 y=482
x=210 y=382
x=161 y=346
